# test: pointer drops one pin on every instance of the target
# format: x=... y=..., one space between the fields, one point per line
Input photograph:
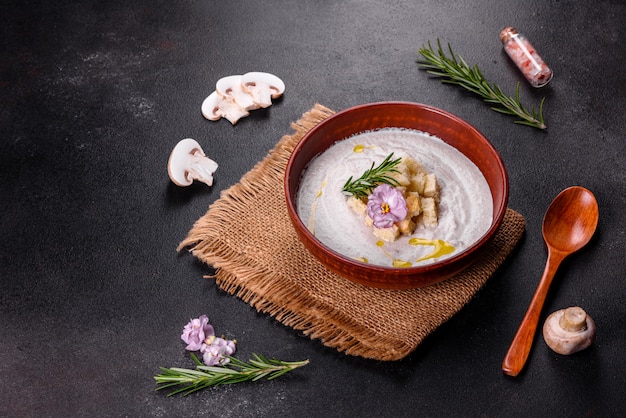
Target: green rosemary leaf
x=259 y=357
x=187 y=381
x=196 y=360
x=277 y=374
x=257 y=363
x=261 y=376
x=372 y=177
x=453 y=69
x=216 y=370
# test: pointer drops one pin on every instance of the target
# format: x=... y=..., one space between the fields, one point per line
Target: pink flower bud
x=386 y=206
x=196 y=331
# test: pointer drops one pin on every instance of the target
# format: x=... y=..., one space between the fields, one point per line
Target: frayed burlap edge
x=245 y=271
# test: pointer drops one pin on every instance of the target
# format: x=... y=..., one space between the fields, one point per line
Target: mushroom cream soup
x=465 y=206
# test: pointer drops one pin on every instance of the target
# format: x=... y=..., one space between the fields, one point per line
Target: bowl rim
x=498 y=210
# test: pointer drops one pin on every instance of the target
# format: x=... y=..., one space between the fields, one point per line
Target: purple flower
x=196 y=331
x=386 y=206
x=215 y=351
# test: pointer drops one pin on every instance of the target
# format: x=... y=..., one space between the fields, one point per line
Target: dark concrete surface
x=93 y=295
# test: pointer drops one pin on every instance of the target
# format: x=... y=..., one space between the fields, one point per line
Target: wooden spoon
x=568 y=225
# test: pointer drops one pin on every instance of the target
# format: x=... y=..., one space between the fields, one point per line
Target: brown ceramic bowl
x=451 y=129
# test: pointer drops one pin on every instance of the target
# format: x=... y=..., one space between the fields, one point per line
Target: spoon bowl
x=570 y=220
x=568 y=225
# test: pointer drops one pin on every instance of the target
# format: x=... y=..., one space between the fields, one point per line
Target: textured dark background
x=93 y=296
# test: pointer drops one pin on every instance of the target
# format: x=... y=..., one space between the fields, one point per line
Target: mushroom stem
x=230 y=88
x=574 y=319
x=261 y=94
x=201 y=168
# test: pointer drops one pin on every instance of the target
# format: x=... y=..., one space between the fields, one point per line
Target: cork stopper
x=506 y=33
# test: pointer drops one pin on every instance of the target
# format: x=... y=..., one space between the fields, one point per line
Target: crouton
x=429 y=211
x=413 y=166
x=413 y=204
x=430 y=187
x=387 y=234
x=357 y=205
x=418 y=181
x=406 y=226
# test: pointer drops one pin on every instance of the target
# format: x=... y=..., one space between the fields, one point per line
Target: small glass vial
x=524 y=55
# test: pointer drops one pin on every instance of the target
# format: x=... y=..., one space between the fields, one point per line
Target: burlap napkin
x=248 y=237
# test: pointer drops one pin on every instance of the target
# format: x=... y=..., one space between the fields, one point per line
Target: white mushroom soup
x=395 y=197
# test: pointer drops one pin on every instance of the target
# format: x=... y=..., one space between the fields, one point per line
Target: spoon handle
x=515 y=358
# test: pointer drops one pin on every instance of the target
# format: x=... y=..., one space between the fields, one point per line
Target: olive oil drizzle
x=318 y=194
x=441 y=247
x=359 y=148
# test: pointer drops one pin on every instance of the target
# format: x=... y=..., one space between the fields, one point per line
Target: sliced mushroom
x=188 y=162
x=263 y=87
x=569 y=330
x=230 y=87
x=216 y=106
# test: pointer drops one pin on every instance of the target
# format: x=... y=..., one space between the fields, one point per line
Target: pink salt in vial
x=525 y=57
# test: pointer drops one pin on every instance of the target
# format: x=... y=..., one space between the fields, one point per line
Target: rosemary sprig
x=187 y=381
x=371 y=178
x=455 y=70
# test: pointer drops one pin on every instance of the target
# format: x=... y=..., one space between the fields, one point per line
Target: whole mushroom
x=569 y=330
